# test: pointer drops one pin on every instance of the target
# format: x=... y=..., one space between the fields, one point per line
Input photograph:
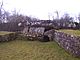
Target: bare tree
x=1 y=10
x=66 y=17
x=3 y=14
x=57 y=13
x=49 y=16
x=53 y=17
x=79 y=17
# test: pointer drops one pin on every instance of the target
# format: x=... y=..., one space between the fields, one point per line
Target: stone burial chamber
x=69 y=43
x=38 y=33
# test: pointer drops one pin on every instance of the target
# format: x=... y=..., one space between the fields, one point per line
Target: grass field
x=32 y=50
x=72 y=32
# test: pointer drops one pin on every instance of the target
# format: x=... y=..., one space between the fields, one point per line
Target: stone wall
x=69 y=42
x=8 y=37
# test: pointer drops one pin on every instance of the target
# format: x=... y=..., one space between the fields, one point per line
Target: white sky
x=41 y=8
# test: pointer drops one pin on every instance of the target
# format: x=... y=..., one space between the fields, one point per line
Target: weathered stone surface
x=37 y=31
x=25 y=30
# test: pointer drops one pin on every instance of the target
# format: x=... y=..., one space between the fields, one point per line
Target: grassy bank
x=5 y=32
x=72 y=32
x=32 y=50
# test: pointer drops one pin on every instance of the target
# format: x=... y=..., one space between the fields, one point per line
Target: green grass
x=32 y=50
x=72 y=32
x=4 y=32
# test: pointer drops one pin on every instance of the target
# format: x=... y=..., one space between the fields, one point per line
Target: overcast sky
x=41 y=8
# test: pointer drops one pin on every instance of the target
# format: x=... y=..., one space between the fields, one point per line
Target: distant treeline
x=10 y=27
x=14 y=26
